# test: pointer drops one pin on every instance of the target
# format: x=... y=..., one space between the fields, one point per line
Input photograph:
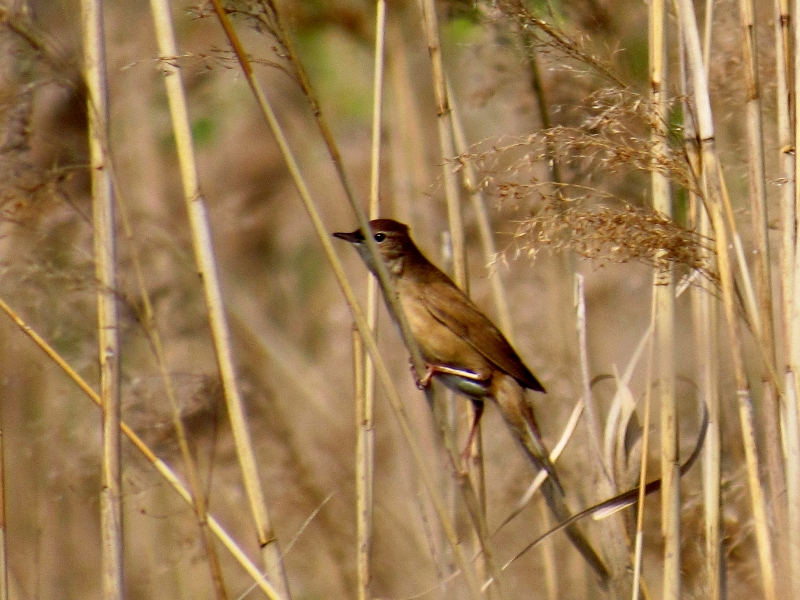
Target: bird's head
x=391 y=238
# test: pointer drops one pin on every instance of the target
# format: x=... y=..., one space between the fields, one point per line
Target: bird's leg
x=432 y=370
x=478 y=406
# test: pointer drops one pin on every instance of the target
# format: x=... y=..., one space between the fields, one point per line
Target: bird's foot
x=425 y=380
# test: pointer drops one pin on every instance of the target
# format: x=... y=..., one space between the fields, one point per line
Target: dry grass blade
x=615 y=544
x=789 y=132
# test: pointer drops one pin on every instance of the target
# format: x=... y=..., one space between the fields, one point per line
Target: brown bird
x=464 y=350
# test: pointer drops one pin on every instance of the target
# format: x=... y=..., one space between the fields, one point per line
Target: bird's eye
x=379 y=237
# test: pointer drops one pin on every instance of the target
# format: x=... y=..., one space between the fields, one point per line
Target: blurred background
x=291 y=327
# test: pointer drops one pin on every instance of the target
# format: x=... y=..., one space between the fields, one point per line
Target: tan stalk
x=664 y=292
x=706 y=335
x=153 y=335
x=446 y=412
x=713 y=203
x=615 y=543
x=486 y=236
x=792 y=324
x=105 y=253
x=364 y=471
x=639 y=540
x=788 y=212
x=206 y=264
x=770 y=412
x=3 y=529
x=358 y=316
x=146 y=317
x=364 y=370
x=746 y=282
x=163 y=468
x=757 y=176
x=447 y=145
x=592 y=419
x=198 y=494
x=478 y=200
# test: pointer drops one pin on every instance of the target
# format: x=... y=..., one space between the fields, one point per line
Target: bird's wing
x=451 y=307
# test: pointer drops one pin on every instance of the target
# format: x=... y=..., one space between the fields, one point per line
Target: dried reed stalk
x=105 y=253
x=770 y=417
x=664 y=295
x=364 y=371
x=146 y=317
x=714 y=205
x=206 y=264
x=614 y=541
x=706 y=335
x=447 y=146
x=358 y=316
x=3 y=529
x=788 y=257
x=639 y=536
x=788 y=70
x=445 y=413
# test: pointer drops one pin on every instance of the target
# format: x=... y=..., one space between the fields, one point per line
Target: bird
x=467 y=353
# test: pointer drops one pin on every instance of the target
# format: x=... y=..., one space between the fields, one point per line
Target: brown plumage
x=464 y=350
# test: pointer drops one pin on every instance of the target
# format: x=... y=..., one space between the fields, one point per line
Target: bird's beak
x=354 y=237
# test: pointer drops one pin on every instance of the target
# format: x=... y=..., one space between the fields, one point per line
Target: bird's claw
x=425 y=381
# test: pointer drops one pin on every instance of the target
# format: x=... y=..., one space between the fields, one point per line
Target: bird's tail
x=518 y=415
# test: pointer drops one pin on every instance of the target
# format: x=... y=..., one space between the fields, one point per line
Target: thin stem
x=358 y=316
x=105 y=268
x=714 y=202
x=364 y=371
x=207 y=267
x=664 y=293
x=446 y=145
x=788 y=214
x=639 y=540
